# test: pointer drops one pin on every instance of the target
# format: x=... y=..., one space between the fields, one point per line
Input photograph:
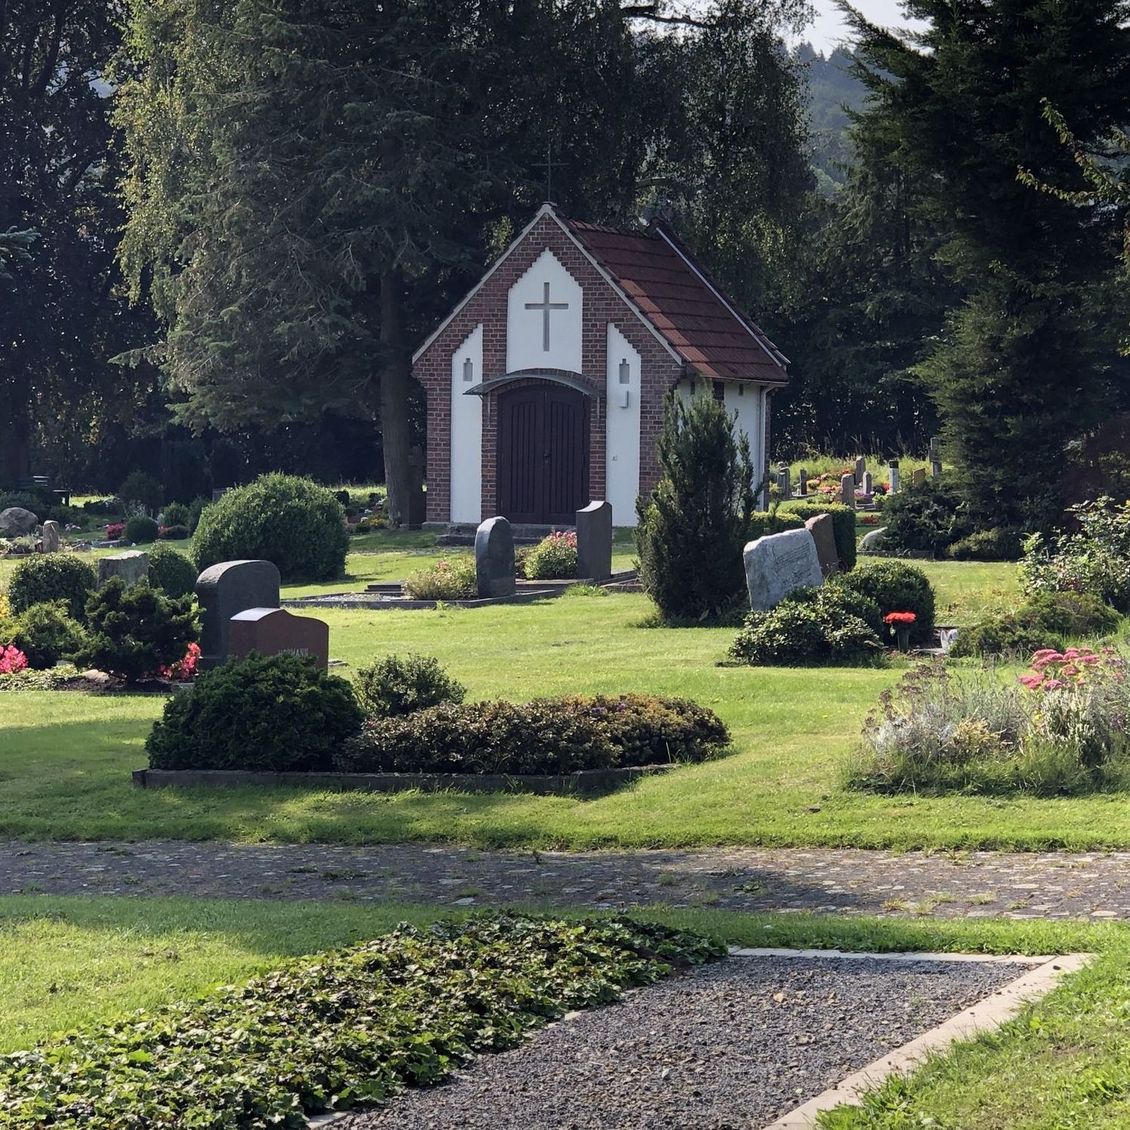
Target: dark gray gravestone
x=274 y=631
x=494 y=558
x=132 y=566
x=594 y=541
x=823 y=533
x=225 y=590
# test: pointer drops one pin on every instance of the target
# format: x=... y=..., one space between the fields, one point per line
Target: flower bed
x=340 y=1030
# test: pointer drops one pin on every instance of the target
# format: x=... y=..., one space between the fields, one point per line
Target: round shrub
x=553 y=558
x=141 y=530
x=175 y=514
x=997 y=544
x=837 y=599
x=797 y=634
x=291 y=521
x=47 y=577
x=896 y=586
x=1072 y=613
x=134 y=631
x=46 y=634
x=1044 y=621
x=278 y=713
x=171 y=571
x=928 y=518
x=142 y=490
x=395 y=685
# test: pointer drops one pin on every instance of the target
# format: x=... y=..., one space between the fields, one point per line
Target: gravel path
x=972 y=885
x=733 y=1045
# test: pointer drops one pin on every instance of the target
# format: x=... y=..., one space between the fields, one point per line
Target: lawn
x=65 y=758
x=1065 y=1062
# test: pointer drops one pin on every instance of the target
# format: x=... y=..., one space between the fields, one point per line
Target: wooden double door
x=543 y=454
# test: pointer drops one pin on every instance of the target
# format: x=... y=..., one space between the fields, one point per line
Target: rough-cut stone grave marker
x=847 y=490
x=225 y=590
x=132 y=566
x=594 y=541
x=274 y=631
x=822 y=529
x=778 y=563
x=494 y=558
x=51 y=537
x=16 y=521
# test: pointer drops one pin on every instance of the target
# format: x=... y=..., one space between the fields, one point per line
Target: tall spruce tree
x=1025 y=363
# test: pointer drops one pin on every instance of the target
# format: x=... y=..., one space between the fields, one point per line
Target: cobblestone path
x=949 y=885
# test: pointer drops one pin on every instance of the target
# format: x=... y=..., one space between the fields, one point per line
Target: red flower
x=899 y=618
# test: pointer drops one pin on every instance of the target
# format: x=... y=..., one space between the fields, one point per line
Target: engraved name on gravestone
x=594 y=541
x=225 y=590
x=494 y=558
x=274 y=631
x=777 y=564
x=822 y=529
x=132 y=566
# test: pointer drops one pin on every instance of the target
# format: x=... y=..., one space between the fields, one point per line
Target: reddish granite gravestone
x=228 y=588
x=274 y=631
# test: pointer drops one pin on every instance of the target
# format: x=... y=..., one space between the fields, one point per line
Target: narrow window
x=625 y=372
x=719 y=390
x=468 y=371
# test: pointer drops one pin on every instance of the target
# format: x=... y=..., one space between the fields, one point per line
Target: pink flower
x=1032 y=682
x=1054 y=684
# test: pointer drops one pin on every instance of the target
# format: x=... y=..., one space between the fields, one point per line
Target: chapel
x=545 y=385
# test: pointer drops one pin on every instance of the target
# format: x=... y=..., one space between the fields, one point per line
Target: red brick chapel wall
x=602 y=305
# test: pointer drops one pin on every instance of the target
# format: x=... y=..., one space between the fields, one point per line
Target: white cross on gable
x=545 y=306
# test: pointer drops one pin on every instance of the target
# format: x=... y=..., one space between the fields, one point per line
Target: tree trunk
x=15 y=451
x=396 y=423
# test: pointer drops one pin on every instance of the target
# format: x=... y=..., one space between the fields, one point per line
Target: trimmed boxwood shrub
x=175 y=514
x=46 y=634
x=134 y=631
x=277 y=712
x=286 y=519
x=924 y=518
x=396 y=685
x=810 y=631
x=843 y=526
x=348 y=1028
x=47 y=577
x=896 y=586
x=549 y=735
x=171 y=571
x=141 y=530
x=997 y=544
x=761 y=523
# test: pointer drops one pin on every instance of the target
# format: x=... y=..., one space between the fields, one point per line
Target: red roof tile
x=699 y=322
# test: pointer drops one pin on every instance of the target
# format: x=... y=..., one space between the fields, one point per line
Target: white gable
x=622 y=387
x=544 y=318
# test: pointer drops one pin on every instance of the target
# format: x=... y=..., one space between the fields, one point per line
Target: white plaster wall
x=623 y=429
x=467 y=431
x=525 y=328
x=745 y=400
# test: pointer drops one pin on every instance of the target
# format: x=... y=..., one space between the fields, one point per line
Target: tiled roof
x=703 y=326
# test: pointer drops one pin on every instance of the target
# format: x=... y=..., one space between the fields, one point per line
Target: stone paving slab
x=978 y=884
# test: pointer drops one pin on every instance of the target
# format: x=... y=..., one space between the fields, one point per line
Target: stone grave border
x=387 y=596
x=584 y=782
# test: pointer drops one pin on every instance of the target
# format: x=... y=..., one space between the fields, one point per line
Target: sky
x=829 y=28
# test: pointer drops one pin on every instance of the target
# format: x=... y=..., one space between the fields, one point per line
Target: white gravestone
x=777 y=564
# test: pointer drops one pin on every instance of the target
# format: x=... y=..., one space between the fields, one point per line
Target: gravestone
x=868 y=484
x=894 y=476
x=860 y=469
x=778 y=563
x=847 y=490
x=823 y=532
x=274 y=631
x=594 y=541
x=52 y=537
x=226 y=589
x=919 y=477
x=872 y=541
x=494 y=558
x=784 y=486
x=17 y=522
x=219 y=493
x=803 y=487
x=132 y=566
x=935 y=457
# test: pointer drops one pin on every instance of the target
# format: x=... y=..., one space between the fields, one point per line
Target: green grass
x=1065 y=1062
x=66 y=758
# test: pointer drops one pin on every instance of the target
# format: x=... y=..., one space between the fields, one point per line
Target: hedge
x=549 y=735
x=843 y=525
x=339 y=1030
